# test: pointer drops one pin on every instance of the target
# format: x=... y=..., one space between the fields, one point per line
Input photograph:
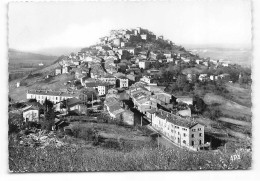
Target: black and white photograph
x=110 y=86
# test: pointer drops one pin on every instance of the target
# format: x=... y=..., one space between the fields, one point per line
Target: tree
x=32 y=100
x=198 y=104
x=187 y=87
x=49 y=115
x=171 y=88
x=181 y=81
x=72 y=54
x=212 y=112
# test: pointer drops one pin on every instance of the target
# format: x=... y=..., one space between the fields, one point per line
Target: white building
x=144 y=36
x=198 y=61
x=109 y=79
x=144 y=64
x=182 y=132
x=184 y=99
x=31 y=114
x=168 y=55
x=55 y=96
x=148 y=80
x=123 y=82
x=203 y=77
x=101 y=87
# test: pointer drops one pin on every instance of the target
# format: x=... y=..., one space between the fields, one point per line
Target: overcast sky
x=40 y=25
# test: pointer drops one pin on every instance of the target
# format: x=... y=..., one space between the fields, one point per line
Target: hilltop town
x=144 y=83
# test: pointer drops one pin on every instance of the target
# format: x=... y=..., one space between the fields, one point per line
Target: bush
x=67 y=159
x=212 y=112
x=13 y=129
x=112 y=144
x=68 y=132
x=84 y=133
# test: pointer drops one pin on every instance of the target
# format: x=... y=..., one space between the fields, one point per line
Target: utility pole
x=67 y=110
x=158 y=141
x=92 y=101
x=141 y=121
x=180 y=139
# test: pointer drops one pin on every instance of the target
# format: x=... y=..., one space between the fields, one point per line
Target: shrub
x=112 y=144
x=13 y=128
x=87 y=134
x=212 y=112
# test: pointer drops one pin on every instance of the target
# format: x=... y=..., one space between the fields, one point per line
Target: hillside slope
x=38 y=81
x=227 y=107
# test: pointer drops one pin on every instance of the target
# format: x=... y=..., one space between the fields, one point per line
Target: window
x=200 y=134
x=184 y=142
x=199 y=129
x=192 y=143
x=184 y=134
x=192 y=135
x=193 y=130
x=178 y=133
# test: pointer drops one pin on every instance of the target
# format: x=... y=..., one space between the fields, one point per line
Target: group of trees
x=180 y=84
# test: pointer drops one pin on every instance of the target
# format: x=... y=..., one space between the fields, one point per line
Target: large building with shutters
x=182 y=132
x=55 y=96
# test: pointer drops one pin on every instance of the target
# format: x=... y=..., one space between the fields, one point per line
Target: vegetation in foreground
x=116 y=157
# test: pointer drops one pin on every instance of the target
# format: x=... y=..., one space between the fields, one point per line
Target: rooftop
x=53 y=93
x=188 y=123
x=73 y=101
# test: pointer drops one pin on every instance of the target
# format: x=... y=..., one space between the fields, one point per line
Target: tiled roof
x=176 y=119
x=109 y=76
x=73 y=101
x=151 y=111
x=54 y=93
x=139 y=95
x=184 y=98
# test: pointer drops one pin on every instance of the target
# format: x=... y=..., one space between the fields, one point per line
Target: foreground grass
x=70 y=159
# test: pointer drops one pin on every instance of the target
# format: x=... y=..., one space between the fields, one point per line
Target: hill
x=16 y=56
x=57 y=51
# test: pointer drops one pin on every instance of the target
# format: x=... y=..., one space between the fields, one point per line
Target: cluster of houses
x=155 y=105
x=112 y=70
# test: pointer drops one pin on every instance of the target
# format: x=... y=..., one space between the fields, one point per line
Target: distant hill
x=57 y=51
x=16 y=56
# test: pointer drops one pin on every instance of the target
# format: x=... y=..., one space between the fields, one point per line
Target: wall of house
x=53 y=98
x=31 y=115
x=198 y=132
x=102 y=90
x=180 y=135
x=128 y=117
x=123 y=83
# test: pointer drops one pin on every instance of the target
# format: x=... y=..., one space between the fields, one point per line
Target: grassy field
x=227 y=107
x=195 y=70
x=113 y=131
x=82 y=158
x=239 y=94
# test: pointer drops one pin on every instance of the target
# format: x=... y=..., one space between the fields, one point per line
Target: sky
x=39 y=25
